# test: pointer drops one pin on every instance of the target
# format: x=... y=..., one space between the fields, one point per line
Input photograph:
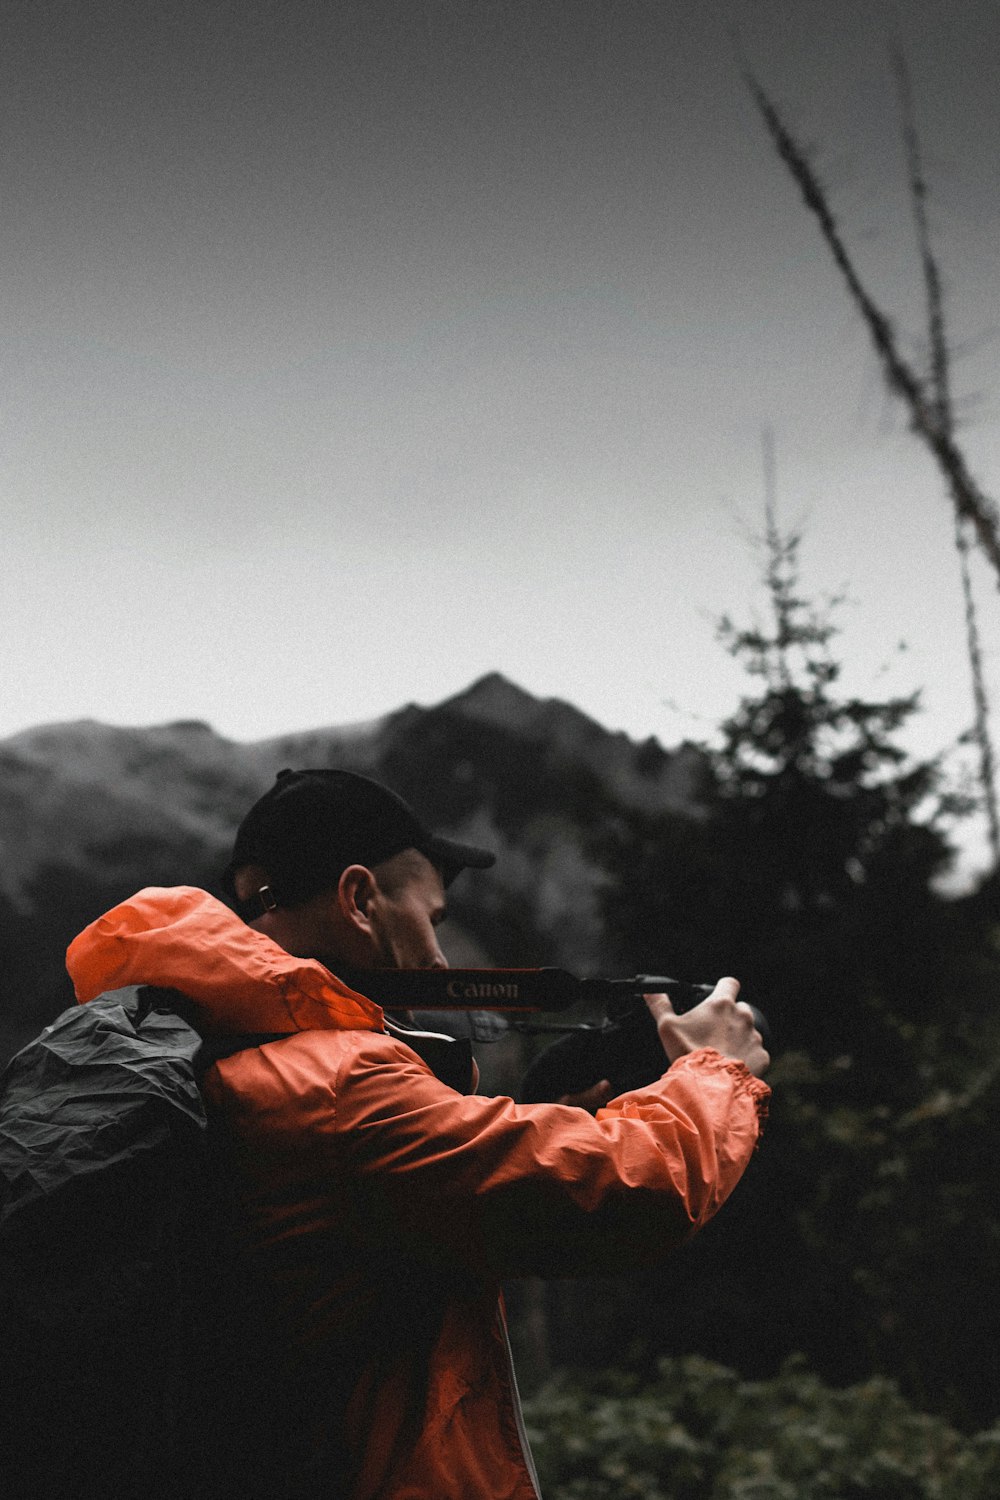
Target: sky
x=351 y=351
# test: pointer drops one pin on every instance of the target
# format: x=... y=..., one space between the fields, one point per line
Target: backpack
x=113 y=1253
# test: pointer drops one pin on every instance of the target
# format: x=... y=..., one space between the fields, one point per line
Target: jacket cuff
x=706 y=1059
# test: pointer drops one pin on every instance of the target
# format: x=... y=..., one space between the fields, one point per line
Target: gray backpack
x=113 y=1251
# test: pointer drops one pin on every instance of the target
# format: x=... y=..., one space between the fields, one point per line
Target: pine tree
x=809 y=870
x=833 y=835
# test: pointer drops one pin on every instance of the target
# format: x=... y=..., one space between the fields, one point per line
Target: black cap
x=312 y=824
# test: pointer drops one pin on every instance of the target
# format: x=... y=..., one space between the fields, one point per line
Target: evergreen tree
x=809 y=873
x=862 y=1229
x=833 y=836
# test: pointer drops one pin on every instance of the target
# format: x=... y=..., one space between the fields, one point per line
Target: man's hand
x=721 y=1021
x=591 y=1099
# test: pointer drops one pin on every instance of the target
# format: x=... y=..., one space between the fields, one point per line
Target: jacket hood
x=240 y=981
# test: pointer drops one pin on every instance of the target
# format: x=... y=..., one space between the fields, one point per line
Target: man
x=378 y=1208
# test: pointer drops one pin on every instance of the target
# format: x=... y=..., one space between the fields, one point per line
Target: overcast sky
x=352 y=350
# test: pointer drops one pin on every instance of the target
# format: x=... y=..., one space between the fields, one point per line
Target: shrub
x=700 y=1432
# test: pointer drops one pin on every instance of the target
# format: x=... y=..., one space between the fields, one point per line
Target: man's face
x=405 y=913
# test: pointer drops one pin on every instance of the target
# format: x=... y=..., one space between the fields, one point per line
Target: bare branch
x=939 y=376
x=969 y=500
x=987 y=761
x=776 y=552
x=932 y=280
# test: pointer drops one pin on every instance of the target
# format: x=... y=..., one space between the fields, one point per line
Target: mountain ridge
x=90 y=812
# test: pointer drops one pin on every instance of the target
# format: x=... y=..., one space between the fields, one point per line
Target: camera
x=463 y=1006
x=624 y=1047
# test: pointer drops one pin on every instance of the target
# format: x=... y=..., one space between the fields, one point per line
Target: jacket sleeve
x=543 y=1189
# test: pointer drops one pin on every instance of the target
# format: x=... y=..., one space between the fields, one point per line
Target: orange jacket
x=381 y=1209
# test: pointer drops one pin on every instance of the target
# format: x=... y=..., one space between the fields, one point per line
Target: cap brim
x=452 y=857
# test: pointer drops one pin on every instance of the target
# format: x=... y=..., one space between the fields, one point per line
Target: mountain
x=90 y=812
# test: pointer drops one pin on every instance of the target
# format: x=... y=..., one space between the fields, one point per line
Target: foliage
x=867 y=1228
x=890 y=1228
x=811 y=872
x=697 y=1431
x=864 y=1236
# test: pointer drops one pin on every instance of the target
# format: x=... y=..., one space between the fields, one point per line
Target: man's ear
x=356 y=889
x=248 y=880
